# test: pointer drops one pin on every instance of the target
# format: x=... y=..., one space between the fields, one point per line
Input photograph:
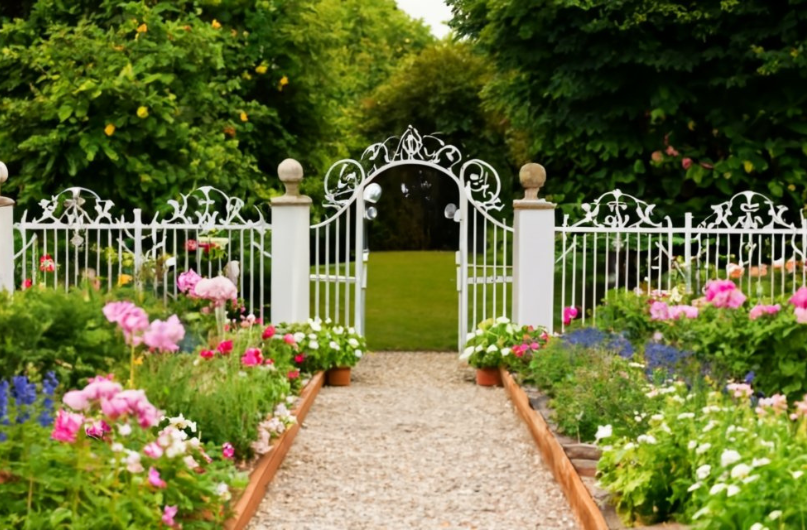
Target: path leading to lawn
x=413 y=443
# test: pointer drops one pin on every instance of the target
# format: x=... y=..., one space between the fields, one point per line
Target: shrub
x=497 y=342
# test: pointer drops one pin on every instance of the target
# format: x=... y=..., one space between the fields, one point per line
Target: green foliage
x=712 y=461
x=680 y=103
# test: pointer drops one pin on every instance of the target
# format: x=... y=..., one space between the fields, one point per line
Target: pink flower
x=155 y=480
x=268 y=333
x=187 y=281
x=288 y=338
x=294 y=374
x=225 y=347
x=801 y=409
x=228 y=451
x=130 y=318
x=163 y=336
x=27 y=284
x=740 y=390
x=252 y=357
x=191 y=245
x=97 y=429
x=299 y=358
x=687 y=311
x=66 y=426
x=801 y=315
x=534 y=346
x=759 y=310
x=723 y=293
x=207 y=354
x=76 y=400
x=777 y=403
x=46 y=263
x=686 y=163
x=659 y=311
x=101 y=388
x=218 y=289
x=799 y=299
x=671 y=151
x=569 y=314
x=657 y=156
x=153 y=450
x=134 y=403
x=169 y=512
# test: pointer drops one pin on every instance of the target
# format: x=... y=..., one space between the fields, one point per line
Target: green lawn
x=412 y=301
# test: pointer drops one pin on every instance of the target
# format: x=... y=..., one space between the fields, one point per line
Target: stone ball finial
x=4 y=201
x=533 y=178
x=291 y=174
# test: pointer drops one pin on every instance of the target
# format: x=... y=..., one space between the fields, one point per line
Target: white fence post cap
x=4 y=201
x=291 y=174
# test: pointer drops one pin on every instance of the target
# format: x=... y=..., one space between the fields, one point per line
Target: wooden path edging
x=580 y=500
x=268 y=464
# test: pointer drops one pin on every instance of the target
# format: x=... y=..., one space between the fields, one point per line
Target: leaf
x=65 y=111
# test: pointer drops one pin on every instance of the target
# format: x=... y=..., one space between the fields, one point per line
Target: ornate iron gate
x=484 y=264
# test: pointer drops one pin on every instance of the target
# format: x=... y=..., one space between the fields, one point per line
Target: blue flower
x=24 y=393
x=3 y=406
x=49 y=383
x=621 y=346
x=586 y=337
x=749 y=377
x=664 y=357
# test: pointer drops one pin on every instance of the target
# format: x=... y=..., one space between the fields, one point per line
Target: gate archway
x=341 y=255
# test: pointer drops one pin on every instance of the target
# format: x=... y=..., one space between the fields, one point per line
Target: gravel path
x=413 y=443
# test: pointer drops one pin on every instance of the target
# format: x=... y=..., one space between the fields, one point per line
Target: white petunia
x=646 y=438
x=316 y=326
x=124 y=429
x=353 y=342
x=759 y=462
x=694 y=486
x=338 y=330
x=740 y=471
x=502 y=320
x=729 y=457
x=603 y=431
x=314 y=345
x=492 y=348
x=717 y=488
x=702 y=448
x=774 y=515
x=358 y=354
x=312 y=336
x=703 y=471
x=298 y=337
x=732 y=490
x=223 y=491
x=479 y=348
x=505 y=352
x=692 y=445
x=334 y=345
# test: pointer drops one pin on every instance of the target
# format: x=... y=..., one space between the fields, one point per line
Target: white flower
x=678 y=399
x=180 y=422
x=480 y=332
x=730 y=429
x=709 y=426
x=510 y=329
x=711 y=408
x=686 y=415
x=502 y=320
x=312 y=336
x=728 y=457
x=702 y=448
x=314 y=345
x=358 y=354
x=334 y=345
x=338 y=330
x=603 y=431
x=352 y=331
x=479 y=348
x=774 y=515
x=694 y=486
x=797 y=474
x=223 y=491
x=765 y=443
x=749 y=480
x=666 y=428
x=492 y=348
x=471 y=336
x=636 y=365
x=316 y=326
x=656 y=417
x=703 y=471
x=124 y=429
x=190 y=462
x=692 y=445
x=732 y=490
x=505 y=352
x=353 y=343
x=760 y=462
x=467 y=353
x=740 y=471
x=637 y=418
x=629 y=446
x=717 y=488
x=298 y=337
x=757 y=526
x=646 y=438
x=116 y=447
x=700 y=513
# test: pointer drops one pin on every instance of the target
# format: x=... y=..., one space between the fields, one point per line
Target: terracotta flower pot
x=338 y=376
x=488 y=377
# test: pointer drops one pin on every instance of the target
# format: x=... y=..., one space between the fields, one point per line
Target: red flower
x=46 y=263
x=191 y=245
x=268 y=333
x=294 y=374
x=207 y=354
x=27 y=284
x=299 y=358
x=269 y=361
x=225 y=347
x=686 y=163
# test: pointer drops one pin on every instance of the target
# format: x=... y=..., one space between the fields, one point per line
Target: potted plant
x=324 y=346
x=498 y=342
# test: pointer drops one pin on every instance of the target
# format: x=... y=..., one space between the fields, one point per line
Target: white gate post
x=291 y=265
x=533 y=253
x=6 y=237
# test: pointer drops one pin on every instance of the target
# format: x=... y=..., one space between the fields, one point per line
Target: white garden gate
x=340 y=254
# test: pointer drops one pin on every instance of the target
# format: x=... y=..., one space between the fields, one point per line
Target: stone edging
x=268 y=464
x=580 y=500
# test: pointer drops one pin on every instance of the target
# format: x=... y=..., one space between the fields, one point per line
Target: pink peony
x=101 y=388
x=760 y=310
x=799 y=299
x=228 y=451
x=659 y=311
x=724 y=293
x=252 y=357
x=163 y=336
x=569 y=314
x=66 y=426
x=169 y=512
x=76 y=400
x=187 y=281
x=207 y=354
x=153 y=450
x=130 y=318
x=134 y=403
x=97 y=429
x=218 y=289
x=686 y=311
x=155 y=480
x=268 y=333
x=225 y=347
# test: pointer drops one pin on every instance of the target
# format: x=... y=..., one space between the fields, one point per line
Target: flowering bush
x=713 y=459
x=108 y=461
x=497 y=342
x=323 y=345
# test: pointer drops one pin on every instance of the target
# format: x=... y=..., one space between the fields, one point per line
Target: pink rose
x=207 y=354
x=288 y=338
x=299 y=358
x=66 y=426
x=187 y=281
x=294 y=374
x=164 y=336
x=569 y=314
x=155 y=480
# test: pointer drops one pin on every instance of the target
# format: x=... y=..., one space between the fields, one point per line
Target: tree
x=682 y=103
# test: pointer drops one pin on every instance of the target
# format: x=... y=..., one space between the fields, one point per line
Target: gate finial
x=4 y=201
x=533 y=178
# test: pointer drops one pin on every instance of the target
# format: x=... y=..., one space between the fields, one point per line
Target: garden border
x=268 y=464
x=580 y=500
